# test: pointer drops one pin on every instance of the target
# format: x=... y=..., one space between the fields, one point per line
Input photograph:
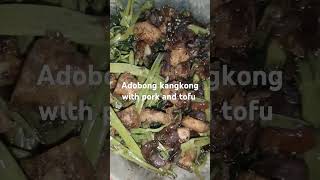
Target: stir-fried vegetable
x=150 y=131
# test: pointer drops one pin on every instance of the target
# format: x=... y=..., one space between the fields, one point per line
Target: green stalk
x=124 y=134
x=120 y=149
x=131 y=58
x=206 y=88
x=195 y=143
x=94 y=131
x=119 y=68
x=143 y=130
x=150 y=79
x=198 y=30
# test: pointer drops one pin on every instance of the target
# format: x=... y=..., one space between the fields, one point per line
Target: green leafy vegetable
x=120 y=149
x=276 y=56
x=124 y=134
x=310 y=90
x=94 y=132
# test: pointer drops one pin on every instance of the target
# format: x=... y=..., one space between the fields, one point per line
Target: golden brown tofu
x=150 y=116
x=195 y=124
x=184 y=134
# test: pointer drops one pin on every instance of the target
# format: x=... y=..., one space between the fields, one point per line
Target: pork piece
x=195 y=124
x=127 y=79
x=129 y=117
x=282 y=168
x=152 y=155
x=169 y=137
x=177 y=102
x=180 y=72
x=57 y=54
x=155 y=17
x=234 y=23
x=161 y=18
x=203 y=70
x=67 y=161
x=147 y=32
x=201 y=115
x=199 y=106
x=179 y=54
x=152 y=116
x=187 y=159
x=184 y=134
x=286 y=140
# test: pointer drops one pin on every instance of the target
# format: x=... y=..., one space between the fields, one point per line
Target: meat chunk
x=125 y=79
x=180 y=72
x=147 y=32
x=162 y=17
x=129 y=117
x=195 y=124
x=150 y=116
x=199 y=106
x=201 y=115
x=169 y=137
x=202 y=70
x=152 y=155
x=286 y=140
x=179 y=54
x=179 y=103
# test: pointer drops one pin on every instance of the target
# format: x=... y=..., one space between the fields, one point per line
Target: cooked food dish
x=159 y=88
x=267 y=36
